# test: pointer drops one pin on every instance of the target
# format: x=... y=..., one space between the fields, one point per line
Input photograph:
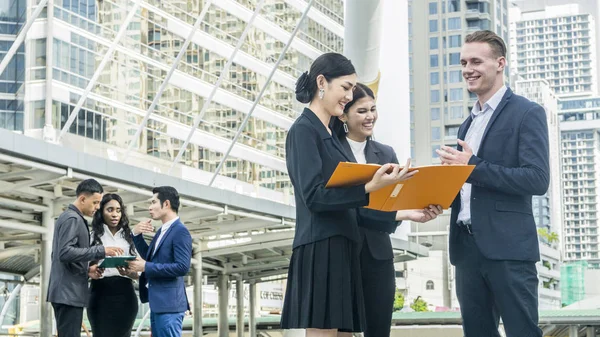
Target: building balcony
x=474 y=14
x=549 y=293
x=546 y=273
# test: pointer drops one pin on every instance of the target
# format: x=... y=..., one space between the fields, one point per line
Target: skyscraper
x=558 y=45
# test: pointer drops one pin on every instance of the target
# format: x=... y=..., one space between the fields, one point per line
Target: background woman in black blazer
x=113 y=303
x=354 y=130
x=324 y=291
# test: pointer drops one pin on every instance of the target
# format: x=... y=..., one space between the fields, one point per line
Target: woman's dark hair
x=330 y=65
x=98 y=222
x=361 y=91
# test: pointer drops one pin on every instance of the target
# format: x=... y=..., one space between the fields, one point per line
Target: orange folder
x=432 y=185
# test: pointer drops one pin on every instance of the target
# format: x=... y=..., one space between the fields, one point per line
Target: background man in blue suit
x=165 y=262
x=493 y=237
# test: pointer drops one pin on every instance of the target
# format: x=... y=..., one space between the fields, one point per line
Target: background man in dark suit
x=493 y=237
x=164 y=263
x=71 y=254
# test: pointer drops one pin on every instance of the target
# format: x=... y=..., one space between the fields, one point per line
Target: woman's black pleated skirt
x=324 y=287
x=113 y=307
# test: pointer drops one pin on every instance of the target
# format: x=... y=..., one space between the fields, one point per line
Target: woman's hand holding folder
x=420 y=215
x=384 y=177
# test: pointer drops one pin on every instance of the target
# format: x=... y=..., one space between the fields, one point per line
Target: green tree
x=398 y=300
x=543 y=232
x=553 y=237
x=419 y=305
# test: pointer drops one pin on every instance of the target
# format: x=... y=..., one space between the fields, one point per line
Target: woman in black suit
x=324 y=292
x=113 y=303
x=354 y=129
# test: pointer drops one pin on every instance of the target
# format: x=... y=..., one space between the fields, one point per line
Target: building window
x=433 y=152
x=429 y=285
x=435 y=133
x=456 y=95
x=435 y=114
x=435 y=96
x=433 y=26
x=453 y=6
x=433 y=43
x=454 y=23
x=454 y=59
x=456 y=112
x=433 y=8
x=455 y=76
x=451 y=132
x=454 y=41
x=434 y=61
x=434 y=78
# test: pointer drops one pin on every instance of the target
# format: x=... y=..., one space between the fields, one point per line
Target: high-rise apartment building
x=439 y=99
x=124 y=59
x=547 y=209
x=557 y=44
x=580 y=144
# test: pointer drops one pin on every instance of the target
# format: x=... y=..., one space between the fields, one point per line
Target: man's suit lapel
x=152 y=244
x=497 y=112
x=166 y=236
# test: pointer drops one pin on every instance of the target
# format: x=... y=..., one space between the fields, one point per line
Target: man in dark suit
x=493 y=237
x=165 y=262
x=71 y=254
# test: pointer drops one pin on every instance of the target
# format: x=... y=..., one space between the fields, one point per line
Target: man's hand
x=420 y=215
x=137 y=265
x=452 y=156
x=113 y=251
x=95 y=272
x=125 y=271
x=143 y=227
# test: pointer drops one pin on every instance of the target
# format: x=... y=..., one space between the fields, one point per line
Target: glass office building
x=114 y=65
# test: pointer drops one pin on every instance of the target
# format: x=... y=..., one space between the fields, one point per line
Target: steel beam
x=224 y=73
x=21 y=36
x=99 y=69
x=239 y=292
x=262 y=91
x=167 y=79
x=23 y=227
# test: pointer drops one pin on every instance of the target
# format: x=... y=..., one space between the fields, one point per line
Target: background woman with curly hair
x=113 y=303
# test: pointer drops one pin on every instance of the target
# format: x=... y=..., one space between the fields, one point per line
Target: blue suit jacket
x=512 y=164
x=376 y=226
x=165 y=269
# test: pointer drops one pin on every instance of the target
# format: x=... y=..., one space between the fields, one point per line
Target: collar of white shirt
x=167 y=224
x=492 y=103
x=108 y=232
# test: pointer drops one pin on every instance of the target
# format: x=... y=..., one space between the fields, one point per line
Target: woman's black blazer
x=312 y=154
x=376 y=226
